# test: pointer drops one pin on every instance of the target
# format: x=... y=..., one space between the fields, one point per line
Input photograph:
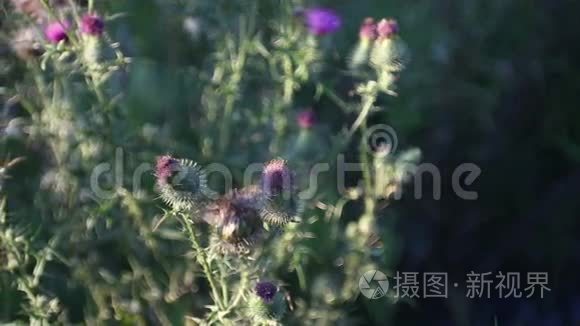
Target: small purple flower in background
x=266 y=291
x=164 y=168
x=387 y=28
x=322 y=21
x=92 y=24
x=368 y=29
x=56 y=31
x=306 y=119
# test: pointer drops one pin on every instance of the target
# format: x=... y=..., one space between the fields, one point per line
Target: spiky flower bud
x=266 y=291
x=367 y=35
x=266 y=302
x=279 y=188
x=277 y=178
x=389 y=52
x=92 y=24
x=181 y=183
x=236 y=220
x=387 y=28
x=368 y=29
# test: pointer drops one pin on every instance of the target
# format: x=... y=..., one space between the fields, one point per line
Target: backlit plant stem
x=202 y=259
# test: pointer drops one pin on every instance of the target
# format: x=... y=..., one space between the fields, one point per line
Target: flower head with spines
x=56 y=32
x=92 y=24
x=389 y=53
x=266 y=302
x=278 y=183
x=236 y=220
x=182 y=184
x=367 y=35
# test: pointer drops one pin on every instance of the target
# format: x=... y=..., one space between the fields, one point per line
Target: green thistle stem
x=368 y=102
x=224 y=284
x=202 y=259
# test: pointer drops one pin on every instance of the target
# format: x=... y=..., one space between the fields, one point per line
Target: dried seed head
x=181 y=183
x=235 y=218
x=27 y=43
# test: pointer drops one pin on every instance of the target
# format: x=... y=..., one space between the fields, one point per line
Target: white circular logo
x=373 y=284
x=381 y=140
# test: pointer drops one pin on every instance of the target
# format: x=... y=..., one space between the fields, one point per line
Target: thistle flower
x=387 y=28
x=266 y=302
x=181 y=183
x=368 y=29
x=276 y=177
x=367 y=34
x=236 y=220
x=389 y=53
x=322 y=21
x=306 y=119
x=278 y=186
x=56 y=31
x=266 y=291
x=92 y=24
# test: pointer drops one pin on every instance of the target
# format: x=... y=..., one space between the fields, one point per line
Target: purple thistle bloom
x=322 y=21
x=276 y=177
x=266 y=291
x=92 y=24
x=368 y=29
x=387 y=28
x=306 y=119
x=56 y=31
x=164 y=168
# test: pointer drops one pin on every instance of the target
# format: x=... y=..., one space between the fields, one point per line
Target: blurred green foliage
x=489 y=82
